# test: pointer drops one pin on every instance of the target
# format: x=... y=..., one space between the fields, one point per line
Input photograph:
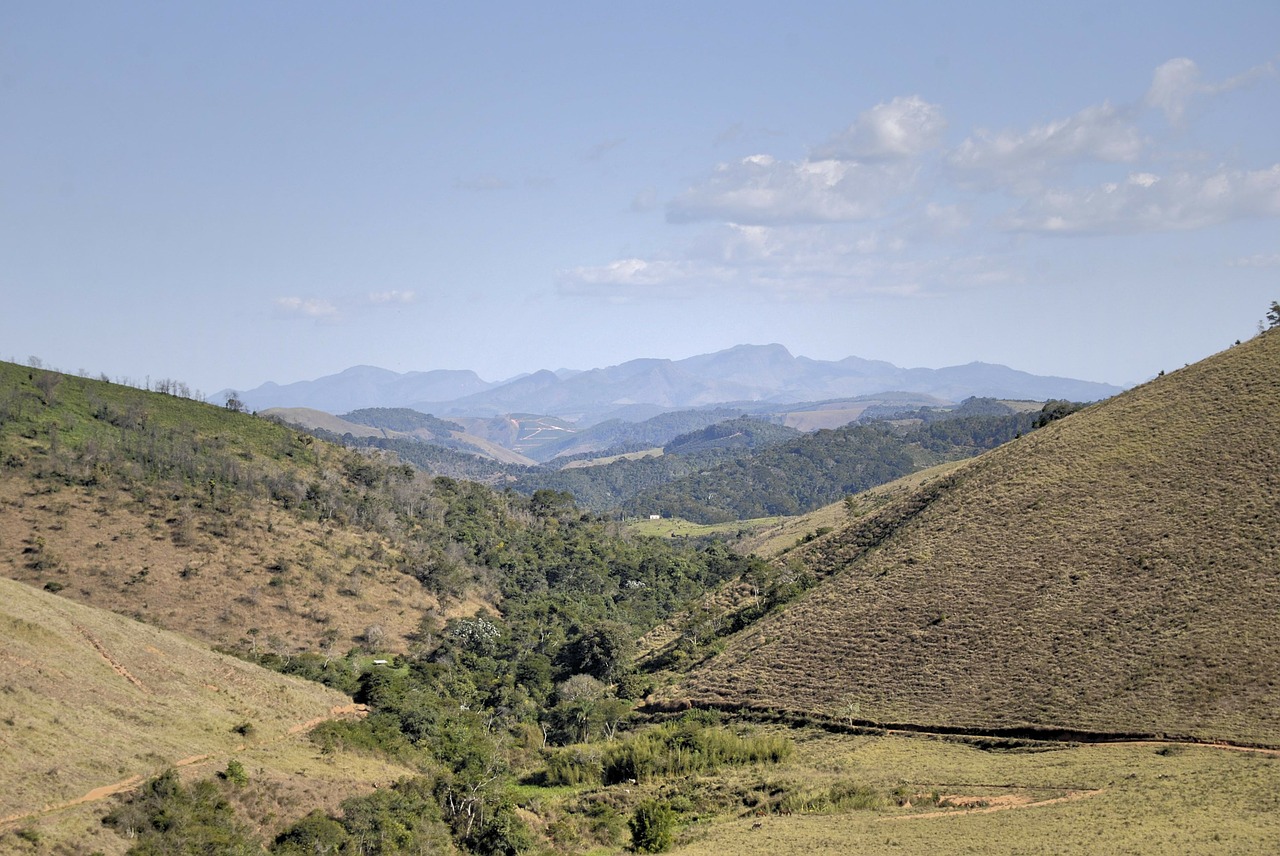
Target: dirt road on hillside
x=134 y=782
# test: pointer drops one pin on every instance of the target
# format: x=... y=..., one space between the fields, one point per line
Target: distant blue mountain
x=364 y=386
x=641 y=388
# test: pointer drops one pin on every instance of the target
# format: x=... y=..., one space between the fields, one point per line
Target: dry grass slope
x=226 y=562
x=1117 y=571
x=89 y=699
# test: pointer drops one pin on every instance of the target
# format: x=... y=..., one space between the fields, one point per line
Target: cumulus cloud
x=1098 y=133
x=761 y=190
x=903 y=128
x=1177 y=83
x=309 y=307
x=881 y=208
x=1146 y=202
x=392 y=296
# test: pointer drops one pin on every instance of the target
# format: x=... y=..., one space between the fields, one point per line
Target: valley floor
x=1116 y=798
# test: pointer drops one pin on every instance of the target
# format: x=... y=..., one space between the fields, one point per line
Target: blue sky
x=238 y=192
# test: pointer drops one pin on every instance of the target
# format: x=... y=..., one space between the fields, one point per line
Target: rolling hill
x=1115 y=572
x=94 y=702
x=233 y=529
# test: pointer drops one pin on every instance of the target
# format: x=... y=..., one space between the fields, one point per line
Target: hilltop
x=1113 y=572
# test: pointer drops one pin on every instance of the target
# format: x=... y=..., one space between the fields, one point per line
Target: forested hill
x=404 y=420
x=477 y=627
x=242 y=531
x=812 y=470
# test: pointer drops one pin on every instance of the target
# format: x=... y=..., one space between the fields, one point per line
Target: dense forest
x=746 y=467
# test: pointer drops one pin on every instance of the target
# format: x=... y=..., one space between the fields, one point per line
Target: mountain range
x=638 y=389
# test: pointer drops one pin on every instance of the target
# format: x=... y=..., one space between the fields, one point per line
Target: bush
x=652 y=827
x=681 y=748
x=235 y=773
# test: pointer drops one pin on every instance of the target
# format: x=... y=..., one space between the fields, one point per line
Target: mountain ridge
x=743 y=373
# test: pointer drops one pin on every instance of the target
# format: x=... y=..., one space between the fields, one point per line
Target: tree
x=1273 y=315
x=234 y=404
x=603 y=651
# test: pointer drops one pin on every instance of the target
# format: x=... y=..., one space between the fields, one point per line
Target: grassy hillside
x=93 y=701
x=1115 y=571
x=233 y=529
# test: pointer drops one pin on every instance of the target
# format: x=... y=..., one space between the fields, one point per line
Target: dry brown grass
x=776 y=538
x=294 y=583
x=92 y=703
x=1116 y=571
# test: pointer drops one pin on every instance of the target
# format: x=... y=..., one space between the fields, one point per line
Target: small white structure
x=655 y=516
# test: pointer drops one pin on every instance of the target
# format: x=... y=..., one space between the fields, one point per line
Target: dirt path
x=133 y=782
x=115 y=664
x=967 y=805
x=1258 y=750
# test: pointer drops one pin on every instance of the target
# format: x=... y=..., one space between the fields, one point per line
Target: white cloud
x=1258 y=260
x=903 y=128
x=870 y=212
x=761 y=190
x=392 y=296
x=936 y=221
x=625 y=280
x=1099 y=133
x=310 y=307
x=1176 y=84
x=786 y=264
x=1150 y=203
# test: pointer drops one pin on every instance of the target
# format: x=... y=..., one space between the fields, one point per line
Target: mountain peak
x=741 y=373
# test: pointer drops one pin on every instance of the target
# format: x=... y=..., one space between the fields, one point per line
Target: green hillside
x=1117 y=571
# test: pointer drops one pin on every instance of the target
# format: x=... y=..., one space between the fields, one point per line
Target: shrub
x=681 y=748
x=574 y=766
x=652 y=827
x=235 y=773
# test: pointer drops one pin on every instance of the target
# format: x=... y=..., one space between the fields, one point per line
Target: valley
x=1007 y=626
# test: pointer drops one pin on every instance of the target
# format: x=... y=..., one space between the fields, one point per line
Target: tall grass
x=673 y=749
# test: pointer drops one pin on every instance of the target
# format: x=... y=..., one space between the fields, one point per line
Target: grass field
x=675 y=527
x=1139 y=799
x=94 y=702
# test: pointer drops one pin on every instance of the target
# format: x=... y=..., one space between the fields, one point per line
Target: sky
x=230 y=193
